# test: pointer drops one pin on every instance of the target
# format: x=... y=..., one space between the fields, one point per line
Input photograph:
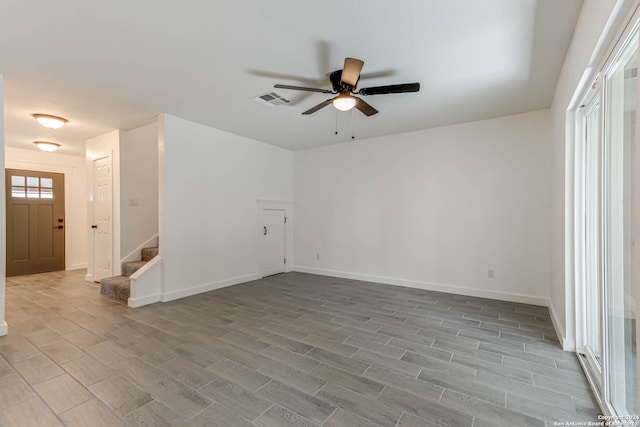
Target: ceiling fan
x=344 y=84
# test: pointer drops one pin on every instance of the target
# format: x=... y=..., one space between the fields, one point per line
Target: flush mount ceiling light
x=47 y=146
x=51 y=122
x=344 y=102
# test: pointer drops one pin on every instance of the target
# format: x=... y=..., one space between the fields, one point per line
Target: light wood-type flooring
x=288 y=350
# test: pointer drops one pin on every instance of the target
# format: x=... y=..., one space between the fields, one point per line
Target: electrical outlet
x=491 y=274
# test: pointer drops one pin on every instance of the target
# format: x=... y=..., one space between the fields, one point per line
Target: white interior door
x=102 y=242
x=272 y=236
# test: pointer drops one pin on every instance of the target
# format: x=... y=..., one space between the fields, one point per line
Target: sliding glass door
x=591 y=247
x=607 y=217
x=619 y=212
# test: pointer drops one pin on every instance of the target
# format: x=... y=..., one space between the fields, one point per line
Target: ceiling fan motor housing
x=338 y=85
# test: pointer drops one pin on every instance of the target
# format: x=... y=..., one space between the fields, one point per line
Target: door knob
x=94 y=226
x=265 y=231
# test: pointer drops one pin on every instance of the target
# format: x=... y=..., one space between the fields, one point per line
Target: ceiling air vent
x=271 y=99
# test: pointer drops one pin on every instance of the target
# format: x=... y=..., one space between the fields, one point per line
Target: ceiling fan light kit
x=344 y=102
x=344 y=84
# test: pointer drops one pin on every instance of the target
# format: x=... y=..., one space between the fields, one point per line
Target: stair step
x=149 y=253
x=116 y=287
x=128 y=268
x=119 y=287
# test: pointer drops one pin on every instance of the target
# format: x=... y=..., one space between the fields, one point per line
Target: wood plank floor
x=288 y=350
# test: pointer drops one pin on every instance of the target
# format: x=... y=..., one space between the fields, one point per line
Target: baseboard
x=183 y=293
x=567 y=344
x=481 y=293
x=139 y=302
x=4 y=328
x=76 y=267
x=88 y=277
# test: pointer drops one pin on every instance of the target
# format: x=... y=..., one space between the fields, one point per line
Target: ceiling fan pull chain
x=352 y=135
x=336 y=122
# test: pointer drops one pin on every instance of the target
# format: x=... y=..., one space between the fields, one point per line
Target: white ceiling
x=116 y=64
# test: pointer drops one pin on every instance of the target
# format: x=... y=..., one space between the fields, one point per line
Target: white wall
x=3 y=234
x=594 y=32
x=210 y=183
x=434 y=209
x=138 y=187
x=75 y=182
x=99 y=147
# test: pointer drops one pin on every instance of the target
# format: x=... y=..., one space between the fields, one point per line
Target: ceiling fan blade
x=306 y=89
x=351 y=71
x=365 y=108
x=381 y=90
x=283 y=76
x=323 y=53
x=317 y=107
x=377 y=74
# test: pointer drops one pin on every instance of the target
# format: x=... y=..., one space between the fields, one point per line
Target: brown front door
x=35 y=222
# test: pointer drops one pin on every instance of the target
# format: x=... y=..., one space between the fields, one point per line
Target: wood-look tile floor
x=288 y=350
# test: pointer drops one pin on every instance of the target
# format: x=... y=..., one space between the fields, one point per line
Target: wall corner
x=3 y=238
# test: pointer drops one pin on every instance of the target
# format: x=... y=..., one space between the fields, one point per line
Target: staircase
x=118 y=287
